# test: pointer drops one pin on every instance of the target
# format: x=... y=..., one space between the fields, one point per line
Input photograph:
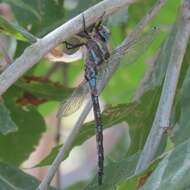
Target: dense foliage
x=25 y=104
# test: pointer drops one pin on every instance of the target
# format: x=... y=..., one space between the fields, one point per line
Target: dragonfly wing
x=132 y=49
x=74 y=102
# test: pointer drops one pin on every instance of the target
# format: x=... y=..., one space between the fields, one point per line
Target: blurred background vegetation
x=28 y=125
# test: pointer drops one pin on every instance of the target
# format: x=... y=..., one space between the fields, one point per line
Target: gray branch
x=69 y=140
x=162 y=117
x=36 y=51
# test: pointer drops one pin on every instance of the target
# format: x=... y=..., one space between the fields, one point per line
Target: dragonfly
x=99 y=61
x=97 y=52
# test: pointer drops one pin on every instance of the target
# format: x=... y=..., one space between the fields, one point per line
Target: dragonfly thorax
x=102 y=33
x=97 y=52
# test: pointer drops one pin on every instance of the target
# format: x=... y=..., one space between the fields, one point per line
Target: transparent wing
x=132 y=49
x=74 y=102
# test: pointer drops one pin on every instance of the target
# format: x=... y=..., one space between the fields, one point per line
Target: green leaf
x=51 y=156
x=135 y=181
x=6 y=123
x=16 y=147
x=47 y=90
x=121 y=175
x=114 y=173
x=15 y=30
x=120 y=148
x=173 y=172
x=181 y=131
x=12 y=178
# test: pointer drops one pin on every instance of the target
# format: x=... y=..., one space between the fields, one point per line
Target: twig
x=162 y=117
x=57 y=141
x=36 y=51
x=69 y=140
x=59 y=119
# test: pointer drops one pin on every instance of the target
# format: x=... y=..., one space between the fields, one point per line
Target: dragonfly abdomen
x=99 y=136
x=90 y=75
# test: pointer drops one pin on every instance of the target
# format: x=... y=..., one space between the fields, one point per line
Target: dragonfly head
x=103 y=33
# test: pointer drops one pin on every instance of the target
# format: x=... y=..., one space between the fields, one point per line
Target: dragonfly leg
x=99 y=22
x=84 y=27
x=73 y=46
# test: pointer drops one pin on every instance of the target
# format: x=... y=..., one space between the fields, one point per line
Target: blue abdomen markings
x=94 y=57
